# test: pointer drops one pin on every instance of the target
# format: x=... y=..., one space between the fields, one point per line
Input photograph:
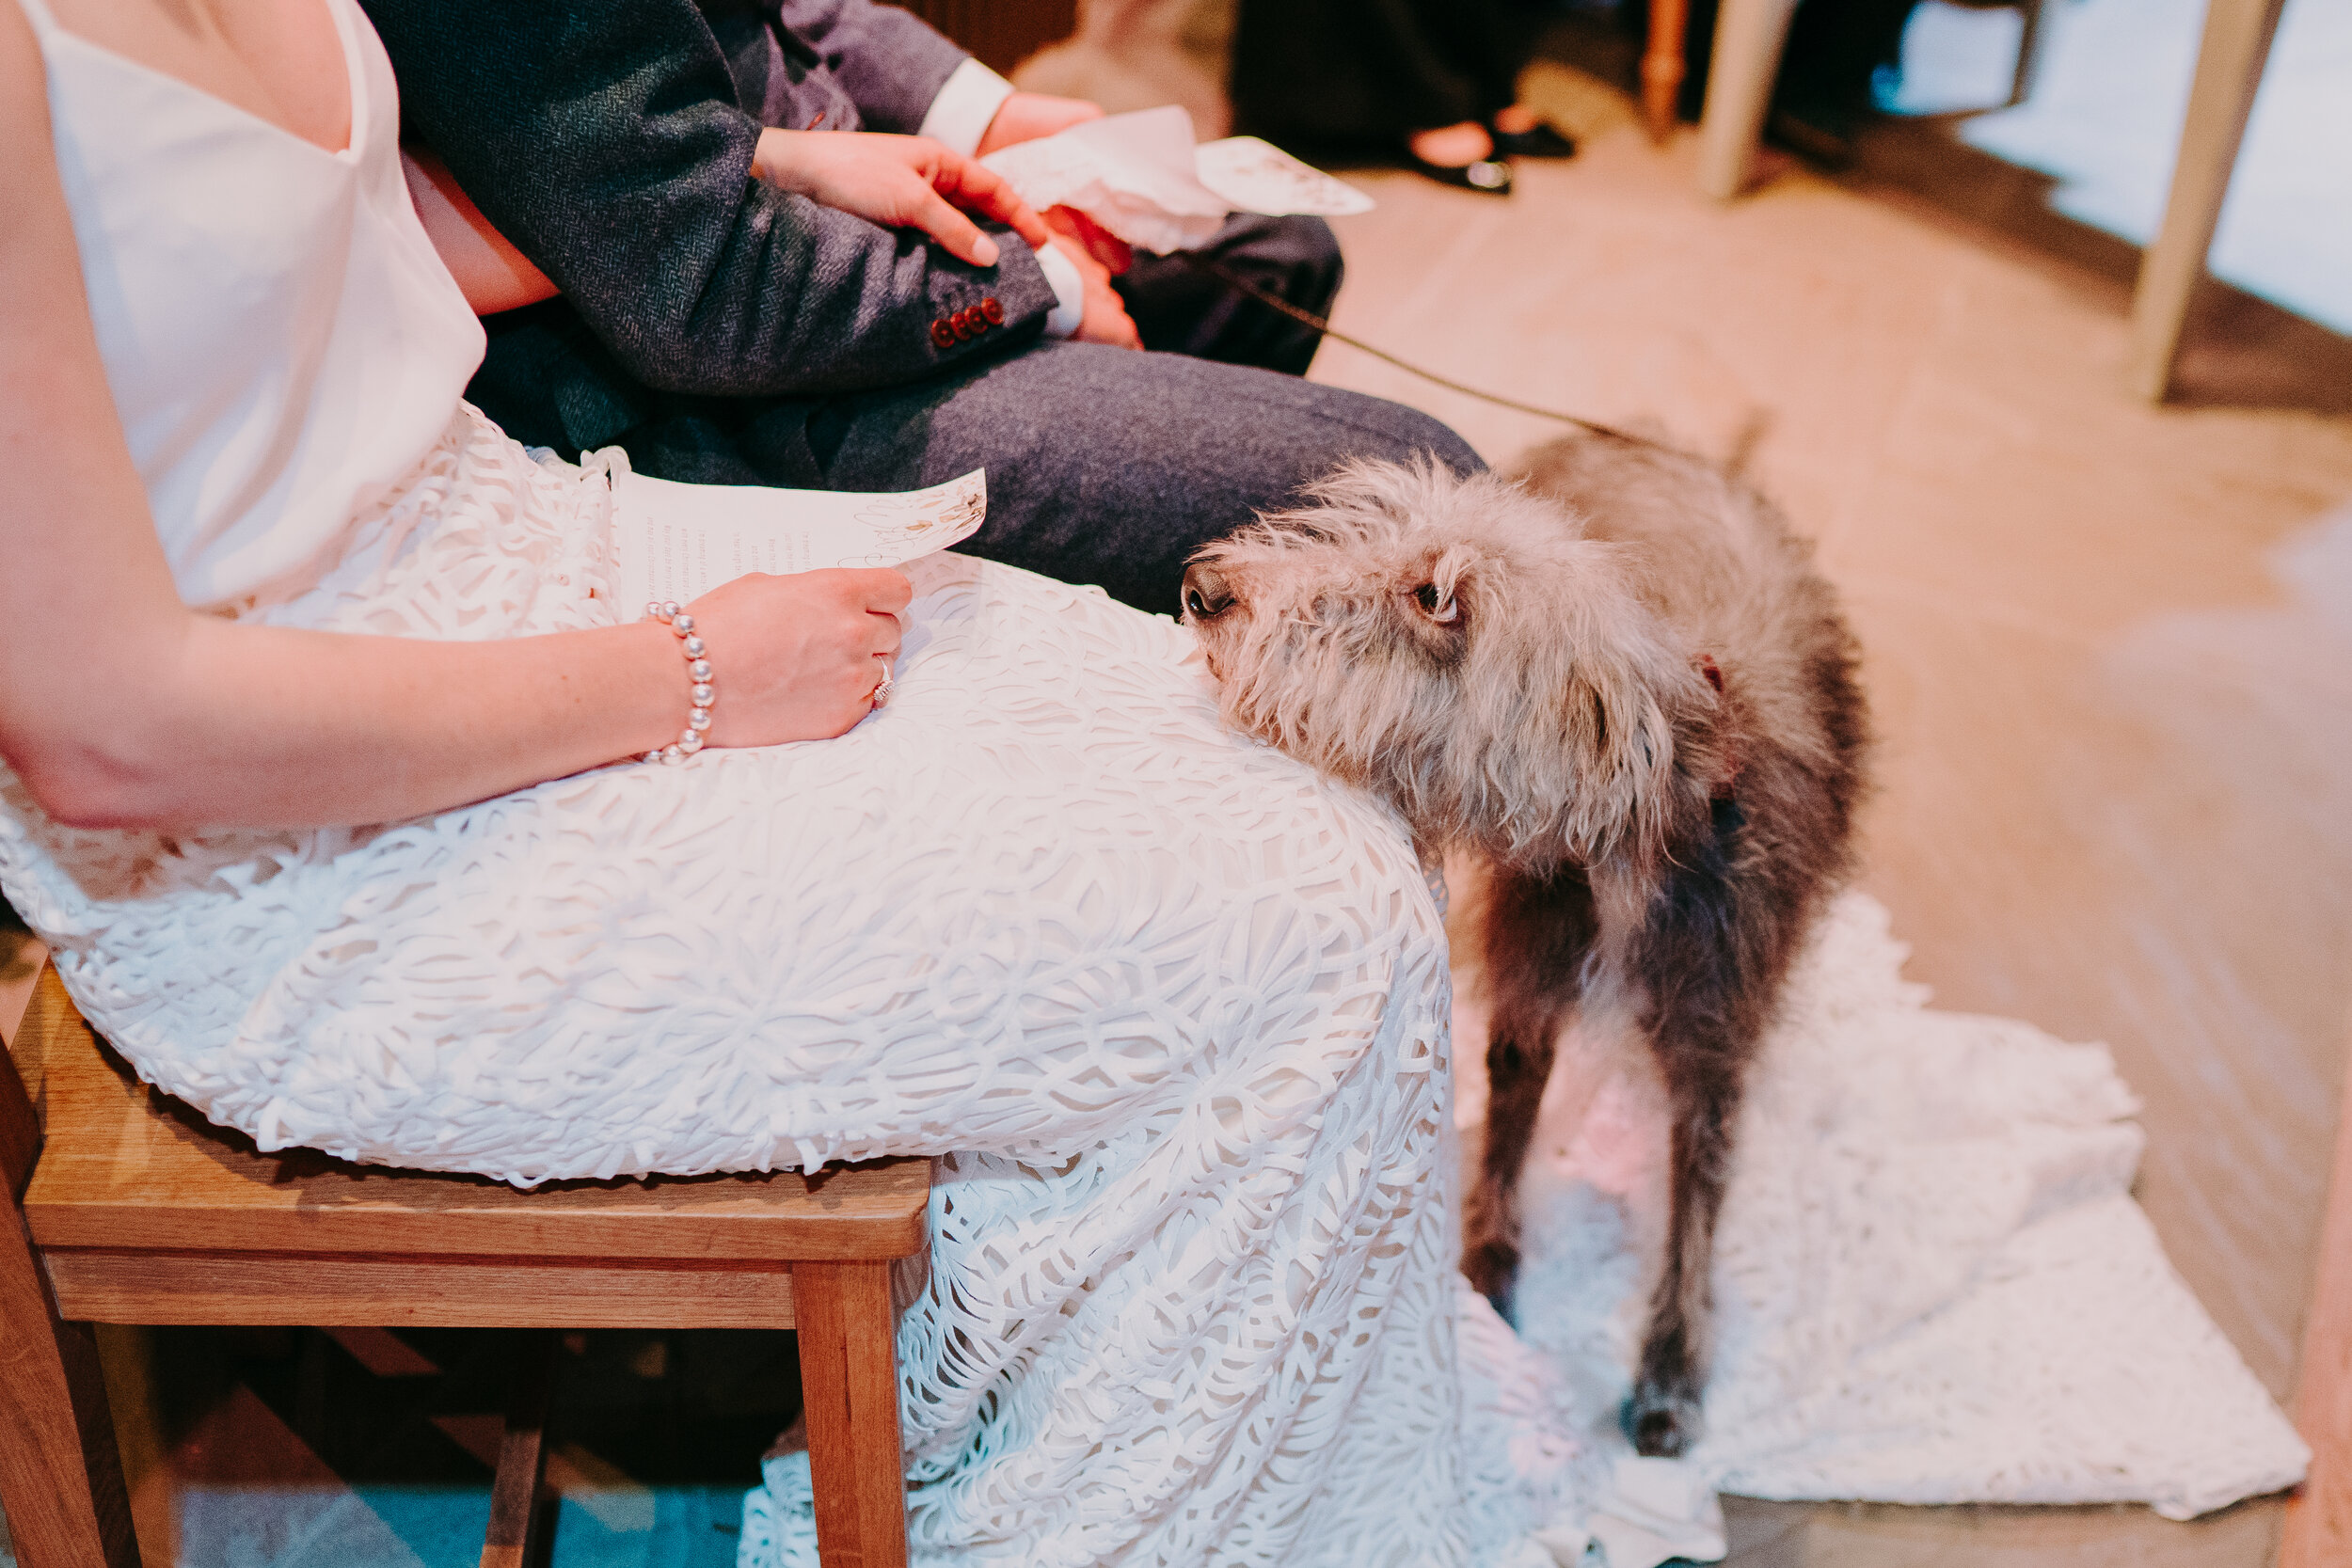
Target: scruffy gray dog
x=1619 y=682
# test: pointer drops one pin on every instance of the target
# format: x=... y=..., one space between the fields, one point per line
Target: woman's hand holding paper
x=797 y=658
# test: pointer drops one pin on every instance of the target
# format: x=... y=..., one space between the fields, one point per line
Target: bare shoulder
x=72 y=483
x=23 y=90
x=39 y=267
x=29 y=162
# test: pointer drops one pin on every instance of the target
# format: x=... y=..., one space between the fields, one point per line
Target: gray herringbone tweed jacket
x=612 y=140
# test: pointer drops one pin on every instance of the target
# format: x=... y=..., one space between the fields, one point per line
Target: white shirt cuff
x=1070 y=293
x=967 y=101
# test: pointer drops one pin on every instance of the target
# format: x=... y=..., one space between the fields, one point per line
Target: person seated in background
x=1434 y=82
x=730 y=329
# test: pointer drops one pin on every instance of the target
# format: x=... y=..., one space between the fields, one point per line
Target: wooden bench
x=126 y=1207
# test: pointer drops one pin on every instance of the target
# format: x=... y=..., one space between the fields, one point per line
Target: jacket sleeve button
x=991 y=312
x=943 y=334
x=962 y=327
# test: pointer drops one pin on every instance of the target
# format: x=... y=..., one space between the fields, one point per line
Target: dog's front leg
x=1538 y=932
x=1697 y=952
x=1519 y=1061
x=1661 y=1415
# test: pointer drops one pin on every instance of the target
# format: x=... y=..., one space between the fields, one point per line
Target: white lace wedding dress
x=1172 y=1009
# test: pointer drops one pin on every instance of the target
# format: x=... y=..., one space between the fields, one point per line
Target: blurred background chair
x=1744 y=64
x=2230 y=64
x=1663 y=66
x=1748 y=42
x=1749 y=34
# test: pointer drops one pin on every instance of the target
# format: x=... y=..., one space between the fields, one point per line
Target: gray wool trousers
x=1105 y=466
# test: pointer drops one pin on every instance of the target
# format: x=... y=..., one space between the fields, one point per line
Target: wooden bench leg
x=522 y=1452
x=60 y=1475
x=850 y=1384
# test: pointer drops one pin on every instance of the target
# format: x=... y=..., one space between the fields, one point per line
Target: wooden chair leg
x=1663 y=65
x=522 y=1453
x=2230 y=66
x=60 y=1475
x=850 y=1386
x=1749 y=34
x=2318 y=1529
x=2031 y=36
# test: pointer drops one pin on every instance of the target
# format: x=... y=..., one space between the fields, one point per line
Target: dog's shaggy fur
x=1620 y=683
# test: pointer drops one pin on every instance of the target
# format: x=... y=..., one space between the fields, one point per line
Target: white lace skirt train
x=1174 y=1010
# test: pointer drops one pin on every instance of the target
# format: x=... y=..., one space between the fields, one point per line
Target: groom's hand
x=900 y=183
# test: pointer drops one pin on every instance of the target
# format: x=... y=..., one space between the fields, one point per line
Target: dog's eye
x=1442 y=611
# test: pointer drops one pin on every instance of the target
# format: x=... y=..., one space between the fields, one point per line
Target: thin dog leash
x=1308 y=318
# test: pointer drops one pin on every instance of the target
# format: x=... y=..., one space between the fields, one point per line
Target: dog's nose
x=1206 y=595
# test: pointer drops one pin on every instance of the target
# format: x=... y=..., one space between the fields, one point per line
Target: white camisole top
x=282 y=341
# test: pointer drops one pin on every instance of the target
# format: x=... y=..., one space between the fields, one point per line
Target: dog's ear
x=1448 y=579
x=1438 y=601
x=1707 y=751
x=1618 y=716
x=1608 y=702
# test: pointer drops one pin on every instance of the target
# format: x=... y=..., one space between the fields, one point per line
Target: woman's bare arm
x=118 y=705
x=491 y=272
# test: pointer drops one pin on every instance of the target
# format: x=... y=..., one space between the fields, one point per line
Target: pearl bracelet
x=690 y=740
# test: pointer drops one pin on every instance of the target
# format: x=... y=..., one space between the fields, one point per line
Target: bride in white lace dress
x=318 y=719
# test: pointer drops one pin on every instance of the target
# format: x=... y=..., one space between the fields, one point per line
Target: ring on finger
x=881 y=688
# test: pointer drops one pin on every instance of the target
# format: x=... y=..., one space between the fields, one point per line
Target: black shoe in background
x=1542 y=142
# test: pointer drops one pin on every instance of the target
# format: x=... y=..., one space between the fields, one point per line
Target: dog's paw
x=1660 y=1422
